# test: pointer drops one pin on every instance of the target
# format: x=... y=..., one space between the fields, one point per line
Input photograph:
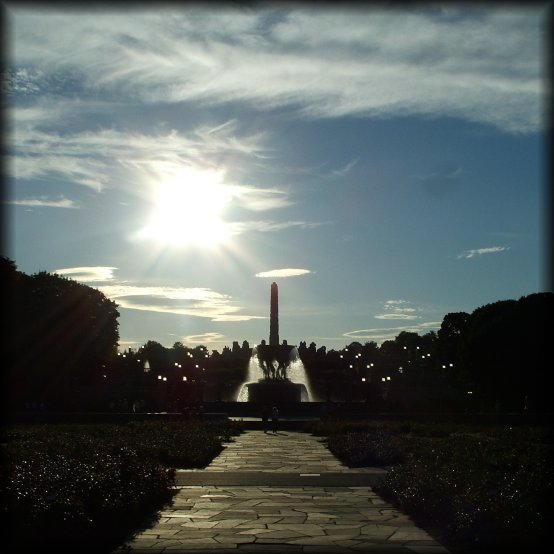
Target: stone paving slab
x=279 y=478
x=285 y=451
x=280 y=518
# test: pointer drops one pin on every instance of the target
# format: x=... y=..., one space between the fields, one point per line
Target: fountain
x=275 y=372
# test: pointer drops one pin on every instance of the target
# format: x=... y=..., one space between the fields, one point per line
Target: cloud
x=191 y=301
x=390 y=333
x=481 y=251
x=289 y=272
x=204 y=338
x=123 y=156
x=88 y=274
x=397 y=309
x=43 y=202
x=396 y=315
x=270 y=226
x=124 y=159
x=194 y=301
x=441 y=180
x=481 y=64
x=257 y=199
x=345 y=169
x=445 y=174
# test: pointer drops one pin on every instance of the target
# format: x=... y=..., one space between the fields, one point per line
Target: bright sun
x=189 y=210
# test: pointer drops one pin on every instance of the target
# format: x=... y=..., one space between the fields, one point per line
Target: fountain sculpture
x=272 y=366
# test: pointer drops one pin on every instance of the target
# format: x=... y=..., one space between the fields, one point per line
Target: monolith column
x=274 y=316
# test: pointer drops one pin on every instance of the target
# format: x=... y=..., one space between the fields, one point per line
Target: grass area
x=485 y=488
x=86 y=487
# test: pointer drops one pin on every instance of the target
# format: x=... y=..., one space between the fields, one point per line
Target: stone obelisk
x=274 y=316
x=274 y=359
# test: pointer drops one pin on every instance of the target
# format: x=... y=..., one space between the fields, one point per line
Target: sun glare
x=189 y=210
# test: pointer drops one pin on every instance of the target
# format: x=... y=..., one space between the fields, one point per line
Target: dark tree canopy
x=506 y=350
x=62 y=334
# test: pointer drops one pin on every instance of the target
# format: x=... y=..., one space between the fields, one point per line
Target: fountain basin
x=276 y=392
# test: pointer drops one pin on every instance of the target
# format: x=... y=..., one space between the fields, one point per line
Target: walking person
x=275 y=418
x=265 y=417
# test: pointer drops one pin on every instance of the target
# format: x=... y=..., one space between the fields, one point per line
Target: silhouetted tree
x=506 y=352
x=65 y=332
x=157 y=355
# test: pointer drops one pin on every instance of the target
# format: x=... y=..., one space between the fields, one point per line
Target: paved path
x=281 y=492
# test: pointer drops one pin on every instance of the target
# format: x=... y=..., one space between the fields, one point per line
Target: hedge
x=488 y=488
x=87 y=487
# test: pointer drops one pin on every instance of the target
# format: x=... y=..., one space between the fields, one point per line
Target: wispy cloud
x=397 y=309
x=258 y=199
x=288 y=272
x=122 y=158
x=482 y=251
x=343 y=171
x=440 y=180
x=271 y=226
x=44 y=202
x=192 y=301
x=204 y=338
x=122 y=155
x=195 y=301
x=390 y=333
x=88 y=274
x=445 y=174
x=375 y=62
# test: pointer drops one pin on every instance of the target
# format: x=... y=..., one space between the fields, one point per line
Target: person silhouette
x=275 y=418
x=265 y=417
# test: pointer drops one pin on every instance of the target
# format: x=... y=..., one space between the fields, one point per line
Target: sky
x=384 y=166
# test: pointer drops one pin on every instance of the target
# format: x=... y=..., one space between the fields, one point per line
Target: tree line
x=62 y=353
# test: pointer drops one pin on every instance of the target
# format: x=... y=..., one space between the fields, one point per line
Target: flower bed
x=86 y=487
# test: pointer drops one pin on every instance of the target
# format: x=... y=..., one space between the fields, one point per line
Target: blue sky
x=384 y=166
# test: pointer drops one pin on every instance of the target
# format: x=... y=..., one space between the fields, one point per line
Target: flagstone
x=410 y=534
x=353 y=530
x=377 y=530
x=234 y=539
x=258 y=519
x=199 y=524
x=306 y=528
x=228 y=524
x=281 y=534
